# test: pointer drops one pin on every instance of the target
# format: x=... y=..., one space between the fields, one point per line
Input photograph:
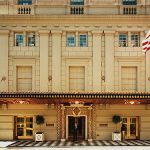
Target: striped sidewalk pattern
x=57 y=143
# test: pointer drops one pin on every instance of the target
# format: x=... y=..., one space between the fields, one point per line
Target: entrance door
x=131 y=127
x=24 y=127
x=80 y=122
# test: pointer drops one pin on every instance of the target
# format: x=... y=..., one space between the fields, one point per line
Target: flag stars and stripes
x=146 y=42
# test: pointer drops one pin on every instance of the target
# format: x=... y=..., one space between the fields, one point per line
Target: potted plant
x=116 y=135
x=39 y=136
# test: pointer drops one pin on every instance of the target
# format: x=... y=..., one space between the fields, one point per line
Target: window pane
x=83 y=40
x=19 y=39
x=70 y=40
x=29 y=132
x=135 y=40
x=20 y=132
x=129 y=2
x=31 y=39
x=76 y=2
x=24 y=2
x=123 y=40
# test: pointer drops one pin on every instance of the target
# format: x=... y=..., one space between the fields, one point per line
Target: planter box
x=116 y=136
x=39 y=136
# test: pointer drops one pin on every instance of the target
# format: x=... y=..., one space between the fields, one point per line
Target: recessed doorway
x=76 y=128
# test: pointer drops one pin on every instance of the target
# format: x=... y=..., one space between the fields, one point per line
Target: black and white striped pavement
x=29 y=143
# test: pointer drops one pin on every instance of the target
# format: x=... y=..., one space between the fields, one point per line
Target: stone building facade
x=74 y=61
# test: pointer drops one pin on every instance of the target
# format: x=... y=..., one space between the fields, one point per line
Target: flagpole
x=145 y=71
x=146 y=47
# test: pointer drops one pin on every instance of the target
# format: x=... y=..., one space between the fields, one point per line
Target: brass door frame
x=24 y=127
x=128 y=127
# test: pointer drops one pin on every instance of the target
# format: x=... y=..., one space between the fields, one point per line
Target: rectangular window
x=129 y=2
x=19 y=39
x=135 y=40
x=76 y=2
x=31 y=39
x=24 y=2
x=129 y=78
x=70 y=39
x=76 y=78
x=83 y=40
x=24 y=127
x=24 y=78
x=123 y=40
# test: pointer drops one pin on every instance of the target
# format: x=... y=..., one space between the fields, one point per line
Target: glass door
x=76 y=126
x=131 y=127
x=24 y=127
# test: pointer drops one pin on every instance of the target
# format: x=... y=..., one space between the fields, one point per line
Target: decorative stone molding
x=98 y=33
x=109 y=31
x=56 y=32
x=4 y=32
x=44 y=32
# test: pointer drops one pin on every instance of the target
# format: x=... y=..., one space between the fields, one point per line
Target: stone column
x=44 y=39
x=77 y=39
x=63 y=123
x=97 y=50
x=4 y=42
x=90 y=124
x=129 y=42
x=146 y=68
x=56 y=60
x=109 y=60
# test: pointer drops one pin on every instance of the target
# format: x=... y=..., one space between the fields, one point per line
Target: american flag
x=146 y=42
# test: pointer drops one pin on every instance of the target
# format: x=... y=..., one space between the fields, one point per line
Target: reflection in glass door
x=24 y=127
x=80 y=127
x=131 y=127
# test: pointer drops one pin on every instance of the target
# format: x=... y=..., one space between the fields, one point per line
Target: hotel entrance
x=76 y=128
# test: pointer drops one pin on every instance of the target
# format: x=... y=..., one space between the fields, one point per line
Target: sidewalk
x=66 y=144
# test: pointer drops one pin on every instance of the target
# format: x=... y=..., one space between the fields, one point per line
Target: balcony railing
x=129 y=10
x=77 y=10
x=24 y=9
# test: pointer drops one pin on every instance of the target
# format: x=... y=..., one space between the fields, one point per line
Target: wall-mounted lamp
x=49 y=78
x=103 y=78
x=3 y=78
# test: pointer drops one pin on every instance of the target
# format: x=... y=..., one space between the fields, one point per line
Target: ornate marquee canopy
x=73 y=97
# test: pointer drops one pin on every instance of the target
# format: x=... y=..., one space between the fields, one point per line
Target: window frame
x=27 y=39
x=25 y=2
x=77 y=2
x=82 y=45
x=19 y=44
x=129 y=2
x=137 y=41
x=69 y=42
x=123 y=43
